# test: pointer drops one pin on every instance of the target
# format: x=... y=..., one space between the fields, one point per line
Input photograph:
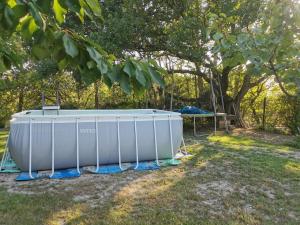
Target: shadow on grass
x=29 y=209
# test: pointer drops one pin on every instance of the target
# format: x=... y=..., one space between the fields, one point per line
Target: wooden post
x=264 y=113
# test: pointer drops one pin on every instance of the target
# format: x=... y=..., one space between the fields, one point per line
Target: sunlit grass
x=293 y=167
x=245 y=143
x=66 y=216
x=233 y=140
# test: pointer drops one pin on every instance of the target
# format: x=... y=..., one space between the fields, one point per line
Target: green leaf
x=95 y=55
x=107 y=81
x=242 y=38
x=11 y=3
x=217 y=36
x=39 y=52
x=24 y=27
x=153 y=62
x=95 y=7
x=155 y=76
x=114 y=73
x=2 y=66
x=9 y=17
x=90 y=76
x=102 y=67
x=73 y=5
x=81 y=15
x=37 y=16
x=139 y=75
x=137 y=88
x=91 y=64
x=216 y=49
x=129 y=68
x=28 y=27
x=225 y=44
x=20 y=10
x=44 y=5
x=63 y=64
x=70 y=46
x=32 y=27
x=125 y=83
x=59 y=12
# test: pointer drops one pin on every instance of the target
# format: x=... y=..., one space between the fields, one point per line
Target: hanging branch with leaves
x=42 y=23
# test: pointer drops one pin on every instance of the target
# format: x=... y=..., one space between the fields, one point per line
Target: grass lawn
x=231 y=179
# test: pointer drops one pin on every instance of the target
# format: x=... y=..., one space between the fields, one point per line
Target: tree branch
x=255 y=83
x=282 y=88
x=194 y=72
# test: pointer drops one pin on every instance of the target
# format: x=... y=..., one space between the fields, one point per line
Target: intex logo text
x=87 y=131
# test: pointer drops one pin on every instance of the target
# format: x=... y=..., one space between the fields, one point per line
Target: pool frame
x=97 y=116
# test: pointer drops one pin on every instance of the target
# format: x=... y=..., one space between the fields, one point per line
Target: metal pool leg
x=171 y=135
x=77 y=146
x=136 y=144
x=155 y=140
x=97 y=143
x=119 y=143
x=52 y=145
x=30 y=147
x=184 y=146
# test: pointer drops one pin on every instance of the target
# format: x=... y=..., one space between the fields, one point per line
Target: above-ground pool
x=58 y=139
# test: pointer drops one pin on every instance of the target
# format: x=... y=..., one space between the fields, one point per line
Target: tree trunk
x=196 y=86
x=96 y=86
x=78 y=95
x=20 y=100
x=200 y=85
x=264 y=114
x=256 y=117
x=155 y=96
x=239 y=97
x=147 y=99
x=188 y=86
x=164 y=99
x=237 y=109
x=57 y=93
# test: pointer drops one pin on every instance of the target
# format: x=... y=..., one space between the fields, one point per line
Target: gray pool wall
x=65 y=144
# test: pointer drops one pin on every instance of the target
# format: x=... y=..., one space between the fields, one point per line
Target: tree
x=211 y=37
x=42 y=23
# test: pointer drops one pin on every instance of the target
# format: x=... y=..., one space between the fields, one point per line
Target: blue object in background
x=192 y=110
